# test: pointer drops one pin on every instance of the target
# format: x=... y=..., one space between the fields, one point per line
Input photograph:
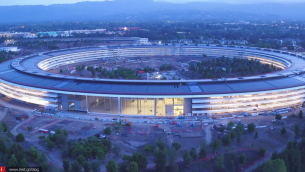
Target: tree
x=303 y=132
x=41 y=137
x=187 y=159
x=172 y=157
x=283 y=131
x=86 y=167
x=296 y=130
x=193 y=153
x=123 y=167
x=133 y=167
x=275 y=155
x=13 y=162
x=50 y=143
x=111 y=166
x=226 y=140
x=219 y=163
x=148 y=148
x=23 y=163
x=8 y=133
x=242 y=159
x=232 y=165
x=95 y=166
x=221 y=129
x=160 y=159
x=203 y=149
x=262 y=151
x=256 y=135
x=76 y=167
x=251 y=127
x=176 y=145
x=34 y=153
x=116 y=150
x=161 y=143
x=215 y=144
x=107 y=130
x=139 y=158
x=66 y=164
x=43 y=158
x=2 y=146
x=100 y=153
x=20 y=137
x=30 y=128
x=230 y=125
x=81 y=159
x=232 y=135
x=45 y=167
x=301 y=114
x=277 y=165
x=278 y=116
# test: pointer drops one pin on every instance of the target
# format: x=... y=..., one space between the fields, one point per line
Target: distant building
x=8 y=42
x=235 y=42
x=142 y=41
x=43 y=34
x=9 y=49
x=127 y=28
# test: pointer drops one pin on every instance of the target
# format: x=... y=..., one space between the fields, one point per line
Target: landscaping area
x=158 y=67
x=117 y=145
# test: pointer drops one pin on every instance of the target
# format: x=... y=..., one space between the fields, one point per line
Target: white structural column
x=87 y=103
x=154 y=106
x=119 y=105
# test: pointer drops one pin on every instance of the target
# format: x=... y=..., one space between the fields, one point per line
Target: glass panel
x=137 y=106
x=71 y=105
x=107 y=105
x=79 y=102
x=169 y=106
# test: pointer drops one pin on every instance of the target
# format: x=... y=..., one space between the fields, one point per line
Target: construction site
x=179 y=67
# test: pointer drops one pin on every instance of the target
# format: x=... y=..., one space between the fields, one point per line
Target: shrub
x=20 y=137
x=176 y=145
x=262 y=151
x=107 y=130
x=148 y=148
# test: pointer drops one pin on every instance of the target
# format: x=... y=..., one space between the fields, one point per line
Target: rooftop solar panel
x=221 y=87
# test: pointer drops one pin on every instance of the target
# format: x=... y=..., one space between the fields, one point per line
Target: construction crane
x=129 y=123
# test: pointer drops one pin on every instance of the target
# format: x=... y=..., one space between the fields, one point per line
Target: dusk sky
x=48 y=2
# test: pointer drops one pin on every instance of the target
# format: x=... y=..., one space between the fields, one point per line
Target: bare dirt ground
x=10 y=118
x=134 y=138
x=177 y=62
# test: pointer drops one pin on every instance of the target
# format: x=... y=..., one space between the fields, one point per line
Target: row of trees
x=59 y=138
x=289 y=160
x=224 y=66
x=13 y=155
x=88 y=148
x=120 y=72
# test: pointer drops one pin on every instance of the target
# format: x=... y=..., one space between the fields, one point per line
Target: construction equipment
x=174 y=122
x=106 y=62
x=128 y=122
x=181 y=117
x=192 y=125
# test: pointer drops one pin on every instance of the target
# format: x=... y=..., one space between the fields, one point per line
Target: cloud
x=40 y=2
x=48 y=2
x=234 y=1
